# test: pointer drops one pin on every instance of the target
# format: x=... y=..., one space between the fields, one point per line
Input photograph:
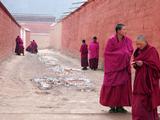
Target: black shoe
x=84 y=68
x=112 y=110
x=121 y=110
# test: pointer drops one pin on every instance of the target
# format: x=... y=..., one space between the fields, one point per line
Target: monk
x=146 y=91
x=33 y=47
x=29 y=48
x=84 y=55
x=93 y=54
x=116 y=89
x=19 y=46
x=17 y=41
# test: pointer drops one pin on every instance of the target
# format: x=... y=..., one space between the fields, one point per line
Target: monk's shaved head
x=141 y=38
x=141 y=41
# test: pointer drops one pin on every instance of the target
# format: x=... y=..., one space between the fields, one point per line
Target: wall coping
x=78 y=9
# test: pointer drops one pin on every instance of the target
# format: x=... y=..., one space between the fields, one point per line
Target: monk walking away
x=84 y=55
x=146 y=91
x=116 y=89
x=19 y=46
x=93 y=54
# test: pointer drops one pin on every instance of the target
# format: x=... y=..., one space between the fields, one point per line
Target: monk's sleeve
x=153 y=64
x=87 y=49
x=109 y=46
x=153 y=59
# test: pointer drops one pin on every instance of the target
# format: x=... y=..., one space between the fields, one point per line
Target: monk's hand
x=139 y=63
x=133 y=63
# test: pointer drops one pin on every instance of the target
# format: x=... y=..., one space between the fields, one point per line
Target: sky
x=46 y=7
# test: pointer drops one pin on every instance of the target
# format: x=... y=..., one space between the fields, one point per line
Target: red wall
x=98 y=17
x=28 y=38
x=9 y=30
x=56 y=36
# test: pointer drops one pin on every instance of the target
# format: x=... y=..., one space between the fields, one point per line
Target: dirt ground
x=36 y=87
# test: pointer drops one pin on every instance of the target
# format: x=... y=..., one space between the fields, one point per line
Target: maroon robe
x=29 y=48
x=19 y=46
x=33 y=47
x=116 y=89
x=84 y=55
x=146 y=92
x=93 y=55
